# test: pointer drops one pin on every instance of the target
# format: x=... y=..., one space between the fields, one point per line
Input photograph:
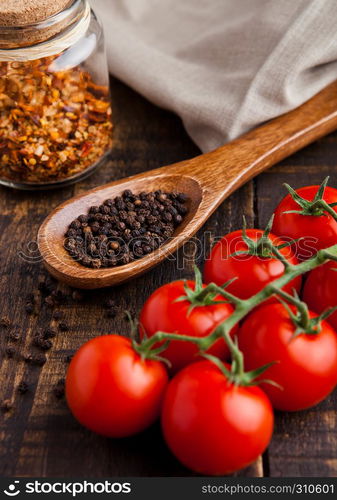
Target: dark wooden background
x=38 y=436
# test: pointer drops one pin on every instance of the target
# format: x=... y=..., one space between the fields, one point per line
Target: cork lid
x=28 y=23
x=25 y=12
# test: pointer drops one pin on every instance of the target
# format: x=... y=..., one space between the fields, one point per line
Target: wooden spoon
x=207 y=180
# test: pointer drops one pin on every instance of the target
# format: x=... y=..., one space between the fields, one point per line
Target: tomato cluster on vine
x=216 y=355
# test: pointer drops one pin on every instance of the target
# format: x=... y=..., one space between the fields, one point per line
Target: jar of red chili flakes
x=55 y=112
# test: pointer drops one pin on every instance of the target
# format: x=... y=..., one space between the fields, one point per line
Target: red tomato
x=252 y=272
x=317 y=231
x=320 y=290
x=213 y=426
x=306 y=365
x=111 y=390
x=161 y=312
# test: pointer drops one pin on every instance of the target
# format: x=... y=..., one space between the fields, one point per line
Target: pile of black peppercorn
x=125 y=228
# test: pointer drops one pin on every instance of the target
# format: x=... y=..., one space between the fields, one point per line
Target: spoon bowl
x=206 y=180
x=52 y=233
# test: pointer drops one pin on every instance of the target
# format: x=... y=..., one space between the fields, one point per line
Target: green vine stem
x=263 y=246
x=241 y=308
x=317 y=207
x=302 y=319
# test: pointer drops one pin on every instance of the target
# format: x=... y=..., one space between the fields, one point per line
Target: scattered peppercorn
x=30 y=298
x=58 y=297
x=10 y=352
x=64 y=327
x=57 y=315
x=5 y=322
x=23 y=387
x=41 y=340
x=49 y=333
x=29 y=308
x=112 y=312
x=6 y=406
x=59 y=388
x=13 y=336
x=35 y=360
x=46 y=287
x=43 y=344
x=42 y=337
x=50 y=301
x=125 y=228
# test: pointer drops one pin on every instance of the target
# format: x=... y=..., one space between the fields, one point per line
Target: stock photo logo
x=72 y=488
x=12 y=490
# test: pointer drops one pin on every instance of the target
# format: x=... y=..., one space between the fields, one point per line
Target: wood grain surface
x=38 y=436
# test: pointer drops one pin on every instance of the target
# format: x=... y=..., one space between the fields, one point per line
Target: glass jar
x=55 y=110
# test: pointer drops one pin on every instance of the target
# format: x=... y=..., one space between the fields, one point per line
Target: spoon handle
x=223 y=170
x=207 y=180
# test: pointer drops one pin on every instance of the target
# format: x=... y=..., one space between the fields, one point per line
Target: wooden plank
x=39 y=436
x=304 y=443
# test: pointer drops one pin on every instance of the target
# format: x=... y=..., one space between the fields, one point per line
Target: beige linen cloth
x=224 y=66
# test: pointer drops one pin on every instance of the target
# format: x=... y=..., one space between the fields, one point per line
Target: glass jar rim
x=48 y=37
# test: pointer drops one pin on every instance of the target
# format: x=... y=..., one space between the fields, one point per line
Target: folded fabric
x=224 y=66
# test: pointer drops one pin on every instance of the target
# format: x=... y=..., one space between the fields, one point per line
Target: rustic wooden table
x=39 y=437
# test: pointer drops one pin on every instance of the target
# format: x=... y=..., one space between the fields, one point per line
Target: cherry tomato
x=320 y=290
x=211 y=425
x=162 y=312
x=252 y=272
x=111 y=390
x=317 y=231
x=306 y=365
